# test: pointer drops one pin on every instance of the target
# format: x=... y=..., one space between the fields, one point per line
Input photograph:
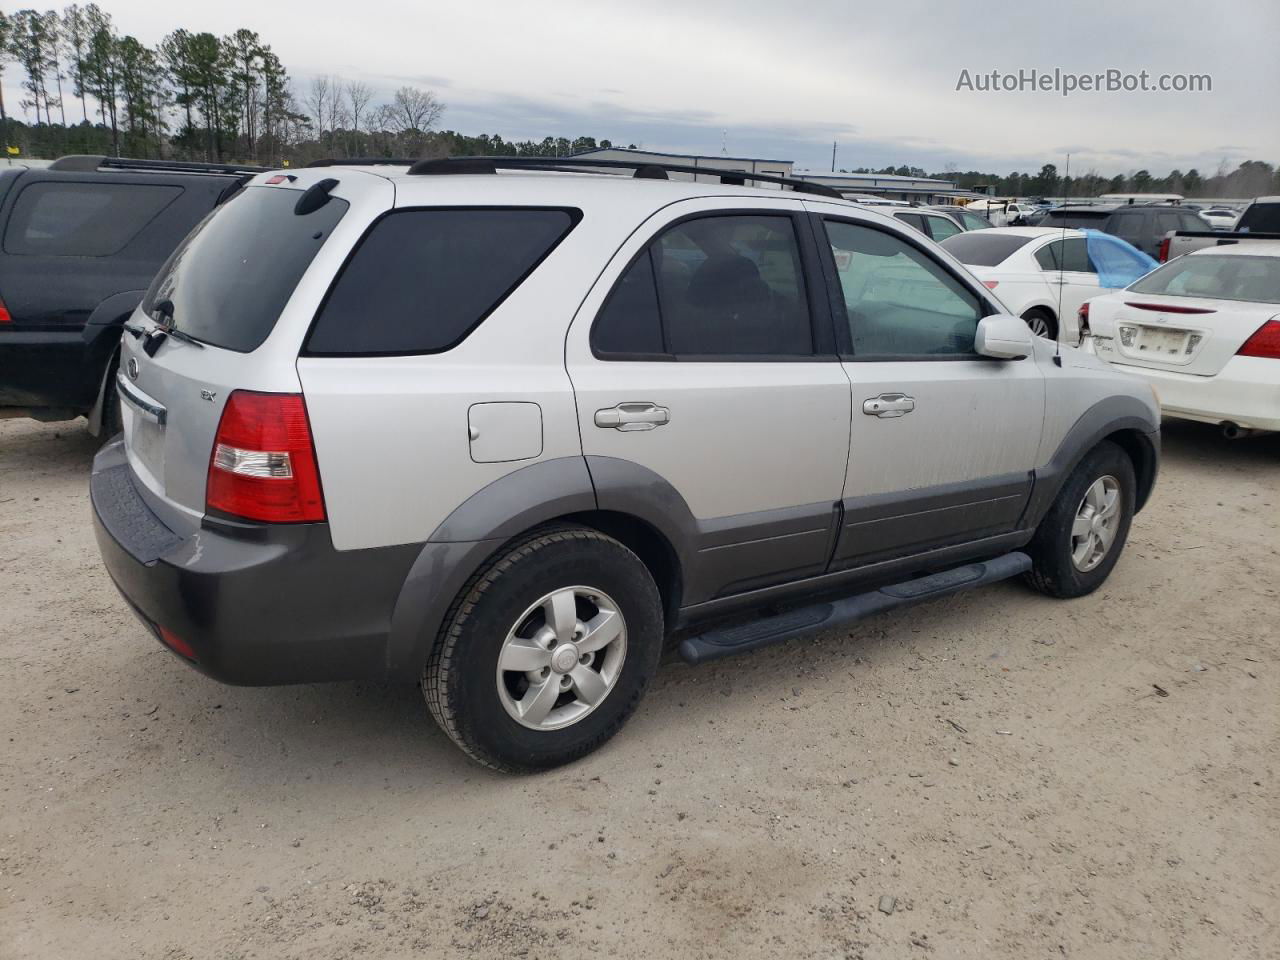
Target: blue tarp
x=1118 y=263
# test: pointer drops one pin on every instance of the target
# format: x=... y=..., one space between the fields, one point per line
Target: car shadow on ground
x=1184 y=441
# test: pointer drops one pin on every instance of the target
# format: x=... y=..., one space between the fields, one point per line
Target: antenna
x=1062 y=260
x=833 y=156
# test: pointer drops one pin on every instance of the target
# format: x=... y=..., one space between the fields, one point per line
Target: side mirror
x=1003 y=337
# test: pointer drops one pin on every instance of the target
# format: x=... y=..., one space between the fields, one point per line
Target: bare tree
x=317 y=102
x=413 y=113
x=358 y=96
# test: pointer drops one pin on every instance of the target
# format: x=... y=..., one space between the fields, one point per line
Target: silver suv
x=506 y=427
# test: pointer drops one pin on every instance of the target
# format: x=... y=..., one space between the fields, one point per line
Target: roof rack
x=89 y=163
x=361 y=162
x=642 y=170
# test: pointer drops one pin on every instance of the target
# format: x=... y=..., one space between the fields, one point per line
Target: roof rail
x=643 y=169
x=89 y=163
x=361 y=162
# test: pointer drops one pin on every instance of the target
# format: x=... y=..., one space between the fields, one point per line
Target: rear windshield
x=230 y=279
x=981 y=248
x=1261 y=218
x=422 y=280
x=1255 y=279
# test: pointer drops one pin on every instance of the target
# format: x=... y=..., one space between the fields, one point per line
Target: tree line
x=1250 y=179
x=197 y=96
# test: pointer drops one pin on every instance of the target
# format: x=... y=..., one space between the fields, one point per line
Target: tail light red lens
x=991 y=284
x=1164 y=250
x=1167 y=307
x=263 y=465
x=1082 y=316
x=1265 y=342
x=4 y=313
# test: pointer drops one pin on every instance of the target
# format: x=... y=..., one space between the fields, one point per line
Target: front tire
x=1080 y=539
x=546 y=651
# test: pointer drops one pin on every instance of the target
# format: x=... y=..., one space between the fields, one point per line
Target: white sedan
x=1220 y=218
x=1204 y=330
x=1042 y=274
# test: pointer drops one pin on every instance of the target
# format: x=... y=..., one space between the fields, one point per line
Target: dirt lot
x=1007 y=767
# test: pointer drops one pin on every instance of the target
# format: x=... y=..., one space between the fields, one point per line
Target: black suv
x=1142 y=225
x=79 y=243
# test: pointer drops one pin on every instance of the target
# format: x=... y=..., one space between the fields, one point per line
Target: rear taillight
x=1164 y=250
x=1265 y=342
x=991 y=284
x=1082 y=317
x=263 y=465
x=4 y=313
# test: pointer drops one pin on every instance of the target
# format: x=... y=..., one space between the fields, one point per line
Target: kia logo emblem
x=132 y=368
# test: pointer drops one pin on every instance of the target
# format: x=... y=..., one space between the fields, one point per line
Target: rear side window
x=979 y=249
x=56 y=219
x=421 y=280
x=726 y=286
x=1076 y=250
x=228 y=281
x=1261 y=218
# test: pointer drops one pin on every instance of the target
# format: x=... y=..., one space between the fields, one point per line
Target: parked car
x=968 y=219
x=1220 y=218
x=936 y=225
x=1040 y=274
x=1144 y=226
x=487 y=431
x=82 y=239
x=1260 y=221
x=1204 y=330
x=1004 y=213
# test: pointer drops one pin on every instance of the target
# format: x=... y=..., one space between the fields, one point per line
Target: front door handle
x=888 y=405
x=633 y=416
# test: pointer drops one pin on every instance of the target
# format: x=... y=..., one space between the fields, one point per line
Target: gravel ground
x=1022 y=778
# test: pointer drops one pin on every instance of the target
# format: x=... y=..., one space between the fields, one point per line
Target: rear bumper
x=1246 y=392
x=257 y=604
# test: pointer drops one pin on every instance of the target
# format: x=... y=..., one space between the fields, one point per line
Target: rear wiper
x=164 y=328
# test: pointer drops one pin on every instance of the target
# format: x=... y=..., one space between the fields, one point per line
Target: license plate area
x=144 y=442
x=1157 y=344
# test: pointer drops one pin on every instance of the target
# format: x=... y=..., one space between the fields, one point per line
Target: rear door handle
x=888 y=405
x=633 y=416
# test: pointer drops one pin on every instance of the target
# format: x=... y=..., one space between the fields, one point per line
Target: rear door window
x=1128 y=226
x=711 y=287
x=64 y=219
x=421 y=280
x=230 y=279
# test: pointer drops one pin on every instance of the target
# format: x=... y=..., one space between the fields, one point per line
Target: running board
x=727 y=641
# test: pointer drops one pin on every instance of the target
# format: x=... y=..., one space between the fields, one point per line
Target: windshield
x=983 y=248
x=230 y=279
x=1254 y=279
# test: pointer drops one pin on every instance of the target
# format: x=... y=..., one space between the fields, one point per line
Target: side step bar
x=727 y=641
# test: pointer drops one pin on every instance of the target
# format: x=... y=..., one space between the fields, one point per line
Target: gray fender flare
x=1096 y=424
x=507 y=508
x=470 y=535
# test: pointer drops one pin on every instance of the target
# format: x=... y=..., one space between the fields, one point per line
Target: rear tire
x=1080 y=539
x=1042 y=323
x=546 y=651
x=112 y=420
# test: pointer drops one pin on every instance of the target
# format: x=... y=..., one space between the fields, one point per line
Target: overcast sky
x=783 y=80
